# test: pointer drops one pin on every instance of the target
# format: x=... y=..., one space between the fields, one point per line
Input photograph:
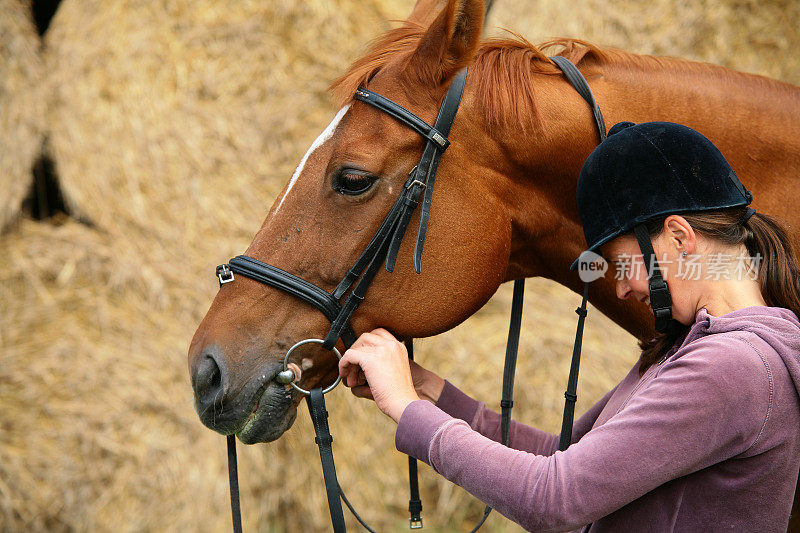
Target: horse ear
x=450 y=42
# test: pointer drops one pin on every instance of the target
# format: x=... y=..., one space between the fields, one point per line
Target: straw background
x=21 y=105
x=173 y=126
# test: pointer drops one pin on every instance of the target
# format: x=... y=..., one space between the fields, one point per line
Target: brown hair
x=764 y=237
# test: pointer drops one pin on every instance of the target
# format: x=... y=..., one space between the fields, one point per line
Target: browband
x=403 y=115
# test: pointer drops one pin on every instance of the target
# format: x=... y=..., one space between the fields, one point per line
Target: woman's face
x=627 y=266
x=630 y=275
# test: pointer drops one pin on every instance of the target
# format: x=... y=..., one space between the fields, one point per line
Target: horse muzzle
x=261 y=410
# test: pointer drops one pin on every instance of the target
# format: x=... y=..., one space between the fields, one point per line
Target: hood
x=777 y=326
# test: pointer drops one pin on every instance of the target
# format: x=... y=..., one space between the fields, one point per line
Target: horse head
x=332 y=206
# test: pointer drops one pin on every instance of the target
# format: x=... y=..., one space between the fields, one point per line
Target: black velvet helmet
x=647 y=170
x=644 y=171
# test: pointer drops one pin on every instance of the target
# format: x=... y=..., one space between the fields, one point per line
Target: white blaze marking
x=306 y=363
x=324 y=136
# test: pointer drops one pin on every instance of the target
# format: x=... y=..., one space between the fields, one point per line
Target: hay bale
x=21 y=105
x=97 y=425
x=179 y=122
x=173 y=128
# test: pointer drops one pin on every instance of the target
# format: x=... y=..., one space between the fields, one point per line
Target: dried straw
x=193 y=112
x=173 y=128
x=21 y=105
x=761 y=37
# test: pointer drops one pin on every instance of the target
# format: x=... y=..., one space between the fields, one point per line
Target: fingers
x=388 y=338
x=362 y=391
x=354 y=376
x=379 y=340
x=350 y=380
x=375 y=337
x=376 y=367
x=369 y=339
x=350 y=368
x=351 y=359
x=347 y=369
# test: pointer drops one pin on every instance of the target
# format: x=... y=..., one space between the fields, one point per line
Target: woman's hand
x=377 y=367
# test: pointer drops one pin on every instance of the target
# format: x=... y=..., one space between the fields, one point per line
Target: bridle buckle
x=440 y=140
x=417 y=183
x=224 y=274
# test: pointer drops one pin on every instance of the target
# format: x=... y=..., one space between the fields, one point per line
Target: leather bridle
x=386 y=241
x=384 y=246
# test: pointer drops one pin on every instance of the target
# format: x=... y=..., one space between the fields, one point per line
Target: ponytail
x=778 y=273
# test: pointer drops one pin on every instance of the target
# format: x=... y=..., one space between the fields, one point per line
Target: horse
x=504 y=207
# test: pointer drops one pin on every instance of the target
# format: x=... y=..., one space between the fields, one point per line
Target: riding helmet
x=644 y=171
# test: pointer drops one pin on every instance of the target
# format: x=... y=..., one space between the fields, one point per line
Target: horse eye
x=353 y=182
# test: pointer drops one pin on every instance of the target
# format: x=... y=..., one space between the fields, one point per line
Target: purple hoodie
x=707 y=440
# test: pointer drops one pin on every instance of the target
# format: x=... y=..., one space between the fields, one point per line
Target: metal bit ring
x=286 y=366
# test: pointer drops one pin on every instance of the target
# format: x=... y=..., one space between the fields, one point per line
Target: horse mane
x=504 y=68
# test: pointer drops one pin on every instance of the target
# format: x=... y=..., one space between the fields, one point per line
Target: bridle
x=386 y=241
x=384 y=246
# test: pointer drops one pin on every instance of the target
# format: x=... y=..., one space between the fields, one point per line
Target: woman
x=704 y=431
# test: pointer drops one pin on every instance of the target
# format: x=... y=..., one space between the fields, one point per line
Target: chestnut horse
x=504 y=206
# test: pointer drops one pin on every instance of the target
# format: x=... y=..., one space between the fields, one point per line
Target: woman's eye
x=353 y=182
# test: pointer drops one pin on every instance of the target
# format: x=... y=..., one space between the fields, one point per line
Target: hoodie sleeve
x=523 y=437
x=702 y=408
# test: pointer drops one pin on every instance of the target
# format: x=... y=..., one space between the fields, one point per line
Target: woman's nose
x=623 y=289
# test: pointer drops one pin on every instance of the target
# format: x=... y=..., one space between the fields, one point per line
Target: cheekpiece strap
x=660 y=299
x=424 y=174
x=430 y=159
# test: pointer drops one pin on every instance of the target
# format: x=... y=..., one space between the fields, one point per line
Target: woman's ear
x=680 y=234
x=450 y=42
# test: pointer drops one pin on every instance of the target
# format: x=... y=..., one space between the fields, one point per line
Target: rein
x=384 y=246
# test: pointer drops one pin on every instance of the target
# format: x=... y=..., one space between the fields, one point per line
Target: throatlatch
x=577 y=80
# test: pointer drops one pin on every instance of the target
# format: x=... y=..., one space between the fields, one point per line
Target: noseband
x=384 y=246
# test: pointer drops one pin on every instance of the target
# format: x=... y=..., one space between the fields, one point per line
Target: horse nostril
x=216 y=380
x=209 y=380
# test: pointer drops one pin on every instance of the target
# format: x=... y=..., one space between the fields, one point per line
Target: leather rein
x=384 y=246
